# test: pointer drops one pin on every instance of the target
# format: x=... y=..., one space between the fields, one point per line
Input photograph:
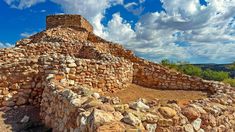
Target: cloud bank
x=184 y=30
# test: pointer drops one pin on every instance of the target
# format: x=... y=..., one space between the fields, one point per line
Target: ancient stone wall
x=22 y=77
x=76 y=21
x=75 y=109
x=111 y=75
x=22 y=80
x=156 y=76
x=56 y=35
x=53 y=106
x=118 y=73
x=20 y=83
x=145 y=73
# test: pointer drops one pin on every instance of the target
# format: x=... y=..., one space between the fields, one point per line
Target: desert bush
x=183 y=67
x=231 y=66
x=169 y=64
x=230 y=81
x=190 y=70
x=215 y=75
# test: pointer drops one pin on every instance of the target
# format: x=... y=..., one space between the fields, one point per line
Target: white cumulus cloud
x=27 y=34
x=188 y=30
x=185 y=30
x=93 y=10
x=5 y=45
x=119 y=30
x=22 y=4
x=135 y=8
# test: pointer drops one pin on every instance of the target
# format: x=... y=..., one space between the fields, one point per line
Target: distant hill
x=217 y=67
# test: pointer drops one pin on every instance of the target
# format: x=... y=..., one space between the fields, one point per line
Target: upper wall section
x=76 y=21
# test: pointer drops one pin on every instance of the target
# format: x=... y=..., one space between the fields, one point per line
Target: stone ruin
x=66 y=69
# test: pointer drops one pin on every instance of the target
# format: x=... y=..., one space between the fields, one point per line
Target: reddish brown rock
x=190 y=113
x=208 y=120
x=107 y=107
x=167 y=112
x=112 y=127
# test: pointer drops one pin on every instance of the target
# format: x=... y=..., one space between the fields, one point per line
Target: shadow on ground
x=10 y=121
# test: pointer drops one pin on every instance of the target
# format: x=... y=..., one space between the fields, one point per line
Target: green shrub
x=169 y=64
x=231 y=66
x=215 y=75
x=165 y=62
x=190 y=70
x=230 y=81
x=183 y=67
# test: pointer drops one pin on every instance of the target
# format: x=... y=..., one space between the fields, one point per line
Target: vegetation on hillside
x=232 y=66
x=215 y=75
x=193 y=70
x=230 y=81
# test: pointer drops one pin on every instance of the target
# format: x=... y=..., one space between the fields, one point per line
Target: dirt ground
x=134 y=92
x=10 y=120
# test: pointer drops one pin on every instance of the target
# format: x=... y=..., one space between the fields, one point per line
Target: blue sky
x=194 y=31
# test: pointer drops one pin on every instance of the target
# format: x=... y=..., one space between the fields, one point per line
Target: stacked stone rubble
x=78 y=108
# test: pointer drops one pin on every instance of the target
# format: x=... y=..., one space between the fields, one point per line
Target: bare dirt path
x=10 y=120
x=134 y=92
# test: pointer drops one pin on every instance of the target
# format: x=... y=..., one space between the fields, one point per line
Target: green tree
x=165 y=62
x=215 y=75
x=232 y=66
x=190 y=70
x=169 y=64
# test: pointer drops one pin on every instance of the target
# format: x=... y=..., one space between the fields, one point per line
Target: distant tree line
x=207 y=74
x=232 y=66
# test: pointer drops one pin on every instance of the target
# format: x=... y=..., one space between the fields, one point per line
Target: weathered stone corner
x=76 y=21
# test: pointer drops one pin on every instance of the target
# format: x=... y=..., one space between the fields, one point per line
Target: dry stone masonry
x=75 y=21
x=66 y=70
